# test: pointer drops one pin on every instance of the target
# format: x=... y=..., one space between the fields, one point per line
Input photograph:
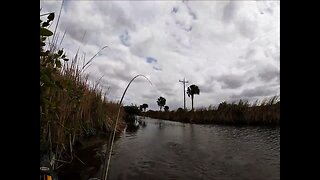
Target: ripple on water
x=184 y=151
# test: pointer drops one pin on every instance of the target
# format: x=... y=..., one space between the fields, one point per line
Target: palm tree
x=161 y=102
x=191 y=91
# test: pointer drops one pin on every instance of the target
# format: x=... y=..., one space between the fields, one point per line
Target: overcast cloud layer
x=230 y=49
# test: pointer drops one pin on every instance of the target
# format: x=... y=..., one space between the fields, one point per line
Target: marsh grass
x=265 y=112
x=70 y=108
x=72 y=111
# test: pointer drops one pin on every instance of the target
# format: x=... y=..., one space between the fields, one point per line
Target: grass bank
x=241 y=113
x=70 y=108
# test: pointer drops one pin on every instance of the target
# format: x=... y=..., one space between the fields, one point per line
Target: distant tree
x=161 y=102
x=179 y=109
x=191 y=91
x=166 y=108
x=141 y=107
x=145 y=106
x=130 y=112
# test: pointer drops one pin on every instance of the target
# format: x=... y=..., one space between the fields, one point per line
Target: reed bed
x=70 y=108
x=267 y=112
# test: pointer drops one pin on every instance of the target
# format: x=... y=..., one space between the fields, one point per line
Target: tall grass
x=70 y=108
x=242 y=113
x=72 y=111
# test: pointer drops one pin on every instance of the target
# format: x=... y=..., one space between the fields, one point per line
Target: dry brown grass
x=73 y=111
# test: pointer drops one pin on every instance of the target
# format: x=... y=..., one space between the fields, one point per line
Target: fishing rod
x=114 y=129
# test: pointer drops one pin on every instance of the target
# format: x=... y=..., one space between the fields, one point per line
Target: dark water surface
x=171 y=150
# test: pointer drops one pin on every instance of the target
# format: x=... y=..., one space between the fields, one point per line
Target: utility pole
x=184 y=92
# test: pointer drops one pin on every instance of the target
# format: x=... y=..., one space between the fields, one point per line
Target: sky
x=229 y=49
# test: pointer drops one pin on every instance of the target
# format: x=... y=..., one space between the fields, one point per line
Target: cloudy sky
x=230 y=49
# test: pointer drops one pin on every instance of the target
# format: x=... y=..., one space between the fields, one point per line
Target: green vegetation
x=70 y=109
x=242 y=113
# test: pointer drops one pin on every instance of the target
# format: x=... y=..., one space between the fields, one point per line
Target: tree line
x=242 y=113
x=191 y=91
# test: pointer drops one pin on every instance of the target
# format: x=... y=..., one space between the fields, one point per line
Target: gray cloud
x=208 y=88
x=229 y=49
x=125 y=38
x=259 y=91
x=148 y=96
x=122 y=20
x=229 y=11
x=191 y=13
x=231 y=81
x=269 y=73
x=248 y=29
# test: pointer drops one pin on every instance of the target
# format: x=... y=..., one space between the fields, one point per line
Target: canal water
x=160 y=150
x=172 y=150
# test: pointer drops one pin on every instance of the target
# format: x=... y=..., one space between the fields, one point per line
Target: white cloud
x=228 y=48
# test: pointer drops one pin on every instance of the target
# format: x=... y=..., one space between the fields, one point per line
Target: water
x=163 y=150
x=173 y=150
